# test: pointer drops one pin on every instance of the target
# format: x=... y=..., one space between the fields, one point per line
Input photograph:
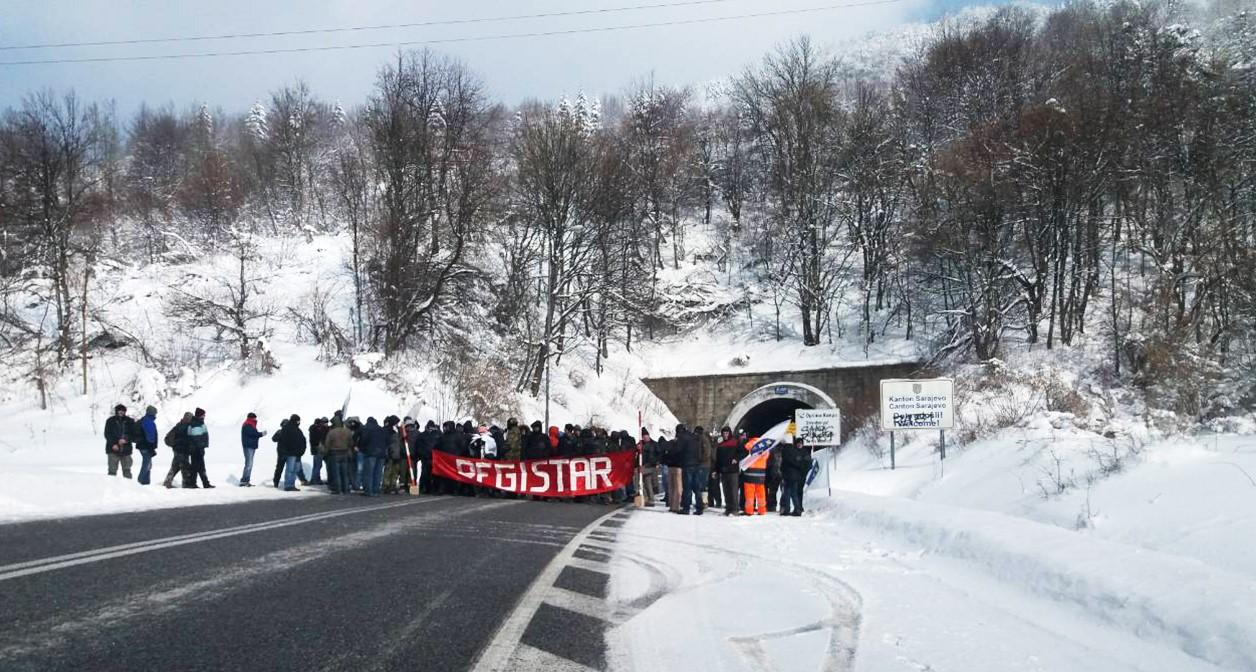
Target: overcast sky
x=513 y=69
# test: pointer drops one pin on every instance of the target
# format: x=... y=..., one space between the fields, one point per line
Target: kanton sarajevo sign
x=558 y=477
x=917 y=404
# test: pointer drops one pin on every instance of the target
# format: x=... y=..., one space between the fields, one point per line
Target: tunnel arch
x=768 y=405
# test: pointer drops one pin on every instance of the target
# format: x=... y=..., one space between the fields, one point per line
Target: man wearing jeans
x=146 y=442
x=249 y=435
x=693 y=472
x=795 y=464
x=373 y=447
x=291 y=448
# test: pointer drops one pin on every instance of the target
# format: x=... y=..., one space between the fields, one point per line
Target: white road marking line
x=496 y=656
x=577 y=602
x=42 y=565
x=531 y=658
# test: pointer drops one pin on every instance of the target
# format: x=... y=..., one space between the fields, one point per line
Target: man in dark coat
x=177 y=439
x=281 y=460
x=427 y=442
x=728 y=455
x=536 y=443
x=795 y=465
x=198 y=442
x=693 y=472
x=120 y=432
x=291 y=447
x=373 y=443
x=318 y=432
x=772 y=477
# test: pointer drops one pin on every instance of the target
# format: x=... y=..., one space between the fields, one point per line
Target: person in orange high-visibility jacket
x=753 y=479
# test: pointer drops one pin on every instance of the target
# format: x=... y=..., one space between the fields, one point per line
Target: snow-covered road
x=825 y=592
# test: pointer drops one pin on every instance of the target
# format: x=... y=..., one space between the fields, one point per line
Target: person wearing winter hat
x=146 y=442
x=249 y=435
x=728 y=454
x=317 y=433
x=119 y=435
x=198 y=441
x=291 y=449
x=177 y=439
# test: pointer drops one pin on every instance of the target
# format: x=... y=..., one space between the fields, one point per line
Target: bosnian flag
x=765 y=443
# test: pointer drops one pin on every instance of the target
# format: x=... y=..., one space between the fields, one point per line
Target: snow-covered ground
x=947 y=572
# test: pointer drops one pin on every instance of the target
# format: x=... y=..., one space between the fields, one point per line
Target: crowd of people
x=691 y=471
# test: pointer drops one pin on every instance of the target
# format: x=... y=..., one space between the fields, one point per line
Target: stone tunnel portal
x=771 y=404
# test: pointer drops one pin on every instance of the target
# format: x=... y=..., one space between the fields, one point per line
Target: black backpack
x=172 y=439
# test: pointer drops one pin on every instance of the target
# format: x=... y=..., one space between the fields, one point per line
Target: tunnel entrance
x=771 y=404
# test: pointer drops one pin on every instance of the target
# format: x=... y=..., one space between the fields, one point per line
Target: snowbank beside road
x=1204 y=611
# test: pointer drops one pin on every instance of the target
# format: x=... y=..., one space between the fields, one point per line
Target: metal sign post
x=891 y=451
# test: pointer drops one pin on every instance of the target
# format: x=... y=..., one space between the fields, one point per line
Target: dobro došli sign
x=917 y=404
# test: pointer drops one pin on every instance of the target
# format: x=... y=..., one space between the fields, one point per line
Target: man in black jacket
x=120 y=432
x=317 y=432
x=728 y=455
x=426 y=442
x=693 y=472
x=449 y=443
x=536 y=444
x=291 y=448
x=795 y=465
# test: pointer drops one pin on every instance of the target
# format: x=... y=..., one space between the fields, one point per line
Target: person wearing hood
x=373 y=443
x=146 y=442
x=281 y=457
x=177 y=439
x=120 y=432
x=198 y=442
x=249 y=435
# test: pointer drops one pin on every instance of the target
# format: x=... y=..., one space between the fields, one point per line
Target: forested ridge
x=1030 y=179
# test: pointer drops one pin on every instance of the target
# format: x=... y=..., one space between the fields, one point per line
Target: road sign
x=918 y=404
x=819 y=427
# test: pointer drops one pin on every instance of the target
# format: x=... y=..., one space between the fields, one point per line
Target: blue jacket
x=249 y=436
x=148 y=423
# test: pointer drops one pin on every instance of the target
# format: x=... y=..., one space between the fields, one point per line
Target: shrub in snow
x=363 y=366
x=739 y=361
x=577 y=378
x=147 y=385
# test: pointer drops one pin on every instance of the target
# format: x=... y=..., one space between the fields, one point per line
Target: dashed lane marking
x=558 y=627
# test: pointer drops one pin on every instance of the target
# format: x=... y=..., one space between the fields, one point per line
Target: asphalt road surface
x=336 y=583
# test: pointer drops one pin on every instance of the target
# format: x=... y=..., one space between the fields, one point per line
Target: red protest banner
x=557 y=477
